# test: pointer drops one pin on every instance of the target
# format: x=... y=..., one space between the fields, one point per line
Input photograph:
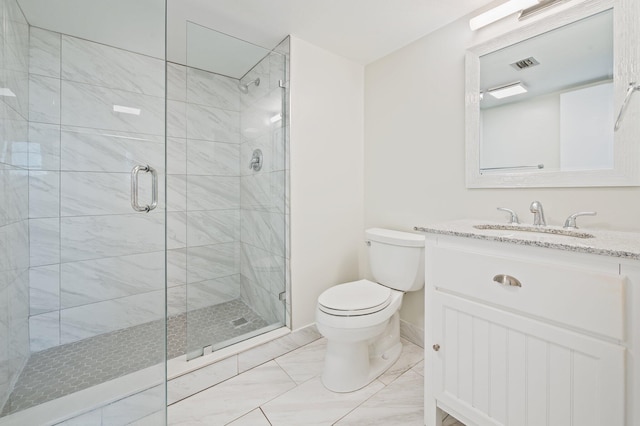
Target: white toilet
x=360 y=319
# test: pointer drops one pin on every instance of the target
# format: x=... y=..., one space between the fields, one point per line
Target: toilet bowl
x=360 y=319
x=361 y=343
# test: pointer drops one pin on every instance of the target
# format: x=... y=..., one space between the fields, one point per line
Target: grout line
x=285 y=371
x=265 y=415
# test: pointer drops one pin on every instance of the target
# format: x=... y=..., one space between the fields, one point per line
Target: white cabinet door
x=497 y=368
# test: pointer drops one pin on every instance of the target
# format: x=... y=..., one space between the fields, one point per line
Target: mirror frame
x=626 y=69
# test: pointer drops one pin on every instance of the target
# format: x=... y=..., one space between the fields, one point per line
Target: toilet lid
x=355 y=298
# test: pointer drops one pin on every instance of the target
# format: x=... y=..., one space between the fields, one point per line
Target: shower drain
x=238 y=322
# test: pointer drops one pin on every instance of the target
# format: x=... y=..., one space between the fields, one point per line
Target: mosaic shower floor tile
x=72 y=367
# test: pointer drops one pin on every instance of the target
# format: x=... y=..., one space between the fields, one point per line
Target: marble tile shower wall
x=203 y=216
x=96 y=265
x=14 y=231
x=226 y=224
x=264 y=200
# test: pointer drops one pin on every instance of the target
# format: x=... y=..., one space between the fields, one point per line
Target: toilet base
x=360 y=376
x=350 y=366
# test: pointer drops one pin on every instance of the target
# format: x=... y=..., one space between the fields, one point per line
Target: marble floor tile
x=399 y=403
x=312 y=404
x=451 y=421
x=410 y=356
x=135 y=407
x=306 y=335
x=254 y=418
x=233 y=398
x=289 y=391
x=203 y=378
x=306 y=362
x=263 y=353
x=419 y=368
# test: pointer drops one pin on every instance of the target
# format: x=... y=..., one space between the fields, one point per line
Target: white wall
x=327 y=94
x=414 y=153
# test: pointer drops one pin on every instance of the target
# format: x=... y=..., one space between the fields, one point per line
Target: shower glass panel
x=82 y=273
x=227 y=154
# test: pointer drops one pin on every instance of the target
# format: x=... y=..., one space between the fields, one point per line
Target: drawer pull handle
x=507 y=280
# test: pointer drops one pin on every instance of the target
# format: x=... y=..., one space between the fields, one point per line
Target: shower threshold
x=56 y=373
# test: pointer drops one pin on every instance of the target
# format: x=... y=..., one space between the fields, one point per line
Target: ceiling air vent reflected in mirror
x=525 y=63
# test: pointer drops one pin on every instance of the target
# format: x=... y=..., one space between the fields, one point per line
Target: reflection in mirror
x=546 y=103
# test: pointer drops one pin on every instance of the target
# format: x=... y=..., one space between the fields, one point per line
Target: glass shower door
x=85 y=211
x=232 y=148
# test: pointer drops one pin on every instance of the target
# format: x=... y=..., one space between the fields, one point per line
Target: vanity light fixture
x=507 y=90
x=499 y=12
x=537 y=8
x=5 y=91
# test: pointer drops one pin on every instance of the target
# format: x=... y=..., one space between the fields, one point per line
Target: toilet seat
x=355 y=298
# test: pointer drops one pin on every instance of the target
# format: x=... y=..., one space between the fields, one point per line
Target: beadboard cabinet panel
x=534 y=373
x=560 y=350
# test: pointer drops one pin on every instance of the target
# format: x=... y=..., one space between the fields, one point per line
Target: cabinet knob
x=436 y=347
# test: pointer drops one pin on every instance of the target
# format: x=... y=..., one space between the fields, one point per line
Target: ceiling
x=361 y=30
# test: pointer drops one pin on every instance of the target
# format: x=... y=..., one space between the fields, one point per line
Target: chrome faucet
x=538 y=214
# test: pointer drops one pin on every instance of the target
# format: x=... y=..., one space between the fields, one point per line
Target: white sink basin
x=537 y=229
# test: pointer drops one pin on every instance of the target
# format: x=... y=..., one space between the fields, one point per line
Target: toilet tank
x=396 y=258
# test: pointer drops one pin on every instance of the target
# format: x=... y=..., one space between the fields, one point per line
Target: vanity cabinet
x=521 y=335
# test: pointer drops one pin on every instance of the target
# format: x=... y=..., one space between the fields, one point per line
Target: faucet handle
x=513 y=220
x=570 y=223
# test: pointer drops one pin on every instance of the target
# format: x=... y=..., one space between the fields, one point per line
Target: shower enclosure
x=226 y=183
x=82 y=290
x=136 y=223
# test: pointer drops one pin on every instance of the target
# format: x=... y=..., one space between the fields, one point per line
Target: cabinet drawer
x=577 y=297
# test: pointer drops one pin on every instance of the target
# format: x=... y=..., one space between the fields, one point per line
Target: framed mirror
x=541 y=103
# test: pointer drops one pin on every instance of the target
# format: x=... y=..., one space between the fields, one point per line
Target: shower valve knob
x=256 y=160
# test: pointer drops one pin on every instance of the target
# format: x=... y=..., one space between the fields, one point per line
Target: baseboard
x=412 y=333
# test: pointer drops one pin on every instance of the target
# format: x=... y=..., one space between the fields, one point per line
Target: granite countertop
x=602 y=242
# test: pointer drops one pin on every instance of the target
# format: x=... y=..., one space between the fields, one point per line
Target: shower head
x=244 y=88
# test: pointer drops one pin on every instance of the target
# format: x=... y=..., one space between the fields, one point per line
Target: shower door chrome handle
x=134 y=188
x=154 y=188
